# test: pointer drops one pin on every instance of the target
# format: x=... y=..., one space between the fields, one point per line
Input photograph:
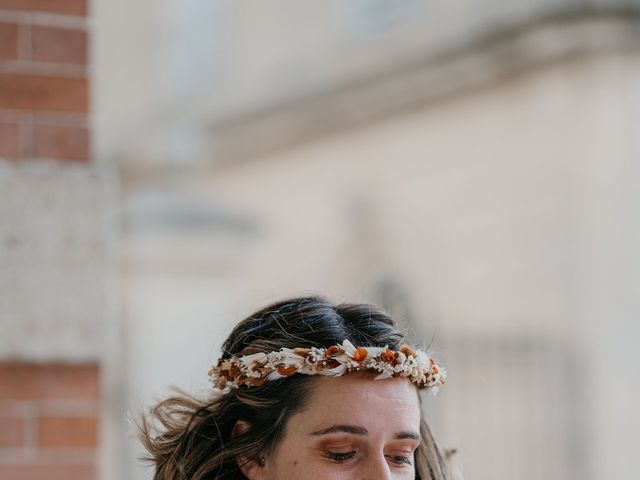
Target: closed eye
x=400 y=459
x=340 y=457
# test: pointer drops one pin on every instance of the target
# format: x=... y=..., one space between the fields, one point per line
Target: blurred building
x=472 y=166
x=56 y=227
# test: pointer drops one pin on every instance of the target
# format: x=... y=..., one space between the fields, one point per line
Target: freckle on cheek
x=295 y=462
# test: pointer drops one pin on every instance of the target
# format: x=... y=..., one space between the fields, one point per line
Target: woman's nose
x=375 y=468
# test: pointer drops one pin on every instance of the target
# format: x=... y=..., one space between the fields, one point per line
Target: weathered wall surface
x=57 y=231
x=56 y=255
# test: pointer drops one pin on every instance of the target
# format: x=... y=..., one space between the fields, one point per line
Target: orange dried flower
x=287 y=371
x=360 y=355
x=387 y=355
x=332 y=350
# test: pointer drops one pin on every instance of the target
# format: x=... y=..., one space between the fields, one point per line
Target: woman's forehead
x=357 y=400
x=364 y=383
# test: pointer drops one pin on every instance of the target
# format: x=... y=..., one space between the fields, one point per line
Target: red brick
x=8 y=41
x=39 y=382
x=9 y=139
x=61 y=142
x=66 y=7
x=50 y=472
x=59 y=45
x=35 y=92
x=11 y=432
x=64 y=432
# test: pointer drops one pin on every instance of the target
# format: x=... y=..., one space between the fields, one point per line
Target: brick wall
x=48 y=421
x=43 y=80
x=48 y=410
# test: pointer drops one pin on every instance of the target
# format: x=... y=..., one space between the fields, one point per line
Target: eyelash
x=343 y=457
x=340 y=456
x=401 y=459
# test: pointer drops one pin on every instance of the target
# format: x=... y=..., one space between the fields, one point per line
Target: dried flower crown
x=336 y=360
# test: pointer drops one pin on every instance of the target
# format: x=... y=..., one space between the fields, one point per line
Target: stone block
x=56 y=237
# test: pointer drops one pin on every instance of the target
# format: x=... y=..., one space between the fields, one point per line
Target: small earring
x=262 y=461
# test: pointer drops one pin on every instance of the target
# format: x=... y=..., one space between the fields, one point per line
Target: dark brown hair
x=193 y=440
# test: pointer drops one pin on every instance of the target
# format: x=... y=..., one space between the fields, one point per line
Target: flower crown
x=336 y=360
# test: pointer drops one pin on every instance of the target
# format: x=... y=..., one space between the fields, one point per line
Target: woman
x=304 y=389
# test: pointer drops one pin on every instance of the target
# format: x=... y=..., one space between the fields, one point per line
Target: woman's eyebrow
x=352 y=429
x=411 y=435
x=357 y=430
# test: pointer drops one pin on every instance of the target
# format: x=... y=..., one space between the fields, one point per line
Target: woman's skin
x=353 y=428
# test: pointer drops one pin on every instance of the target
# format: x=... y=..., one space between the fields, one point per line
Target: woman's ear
x=250 y=468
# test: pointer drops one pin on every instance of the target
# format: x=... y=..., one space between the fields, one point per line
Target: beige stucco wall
x=506 y=211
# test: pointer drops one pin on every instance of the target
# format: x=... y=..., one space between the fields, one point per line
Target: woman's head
x=348 y=427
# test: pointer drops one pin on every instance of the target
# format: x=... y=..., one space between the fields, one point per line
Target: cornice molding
x=504 y=52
